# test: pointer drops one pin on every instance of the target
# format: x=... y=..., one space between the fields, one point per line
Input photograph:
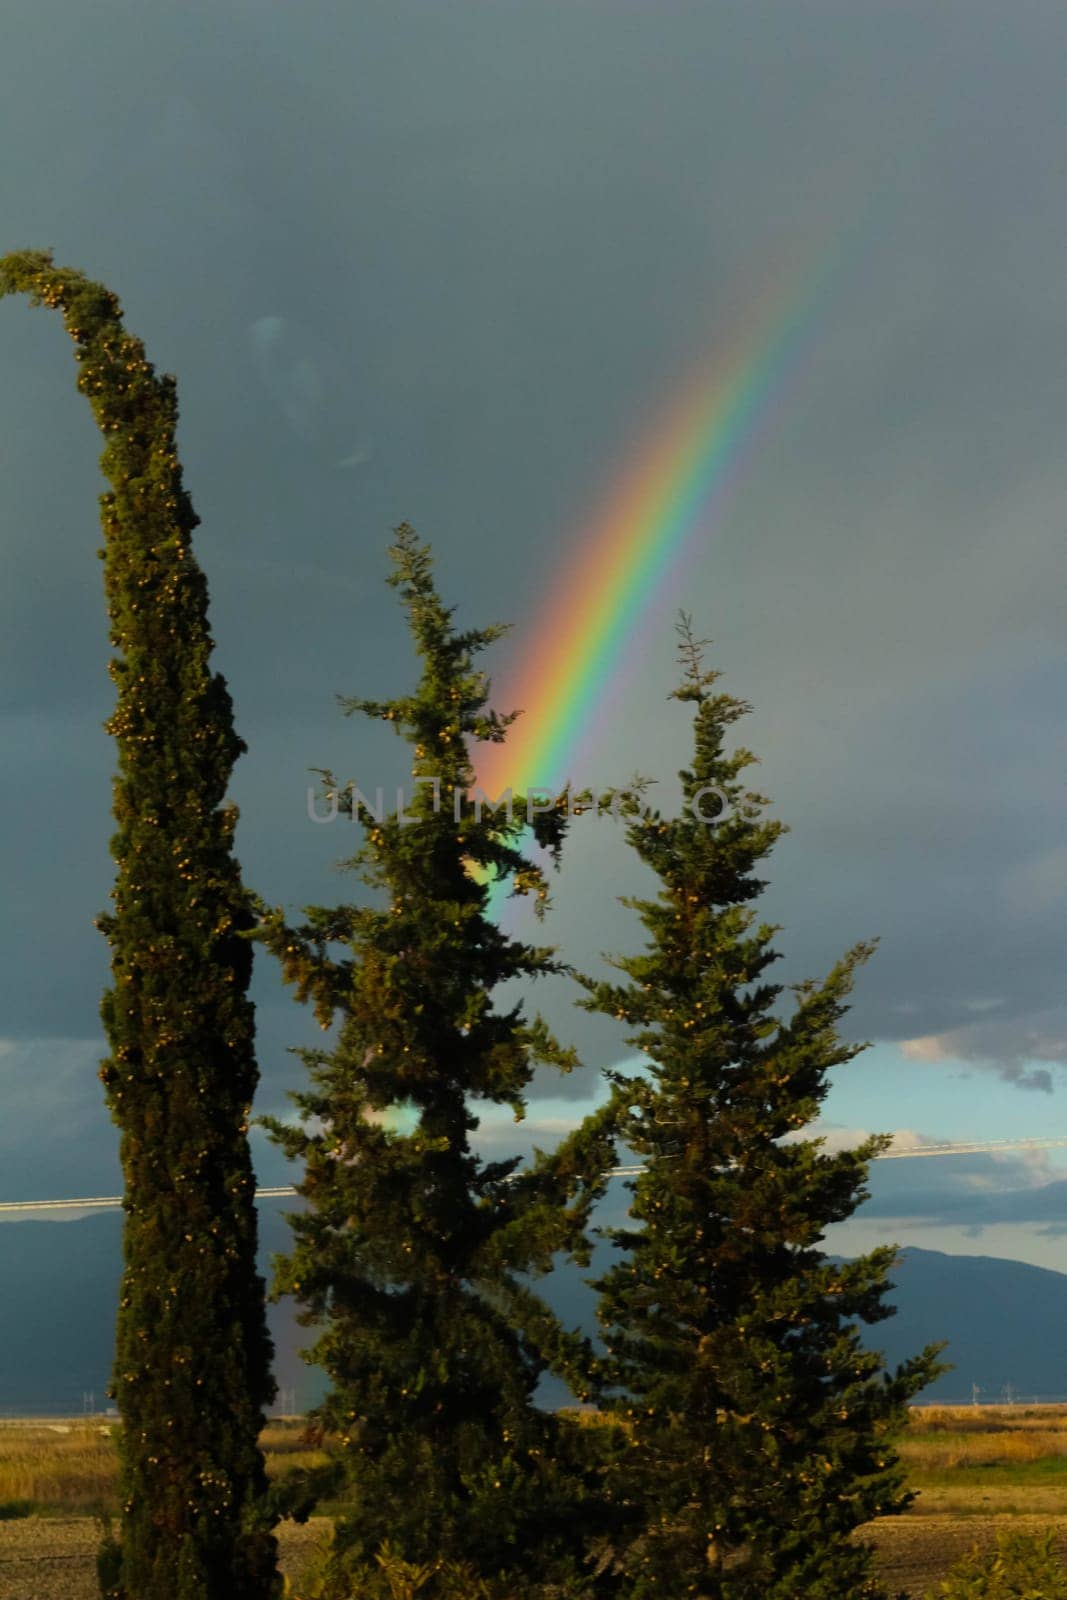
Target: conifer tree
x=411 y=1254
x=761 y=1430
x=192 y=1370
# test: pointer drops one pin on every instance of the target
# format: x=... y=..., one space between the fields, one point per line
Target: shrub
x=1021 y=1567
x=11 y=1510
x=390 y=1577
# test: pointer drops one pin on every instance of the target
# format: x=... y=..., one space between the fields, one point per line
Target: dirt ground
x=914 y=1552
x=53 y=1558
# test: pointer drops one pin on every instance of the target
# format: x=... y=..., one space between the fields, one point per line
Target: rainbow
x=658 y=510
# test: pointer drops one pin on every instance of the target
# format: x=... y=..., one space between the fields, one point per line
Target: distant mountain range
x=1006 y=1322
x=57 y=1313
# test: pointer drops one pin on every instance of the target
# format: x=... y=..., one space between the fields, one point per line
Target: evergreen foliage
x=761 y=1430
x=411 y=1254
x=192 y=1371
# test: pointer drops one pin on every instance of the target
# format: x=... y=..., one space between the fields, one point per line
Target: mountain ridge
x=1006 y=1321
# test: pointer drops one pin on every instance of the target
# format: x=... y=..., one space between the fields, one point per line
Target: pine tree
x=411 y=1254
x=192 y=1370
x=761 y=1430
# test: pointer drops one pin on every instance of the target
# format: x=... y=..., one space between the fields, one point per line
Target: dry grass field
x=51 y=1466
x=977 y=1470
x=56 y=1477
x=54 y=1558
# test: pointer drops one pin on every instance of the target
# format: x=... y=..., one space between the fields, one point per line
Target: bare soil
x=915 y=1552
x=54 y=1558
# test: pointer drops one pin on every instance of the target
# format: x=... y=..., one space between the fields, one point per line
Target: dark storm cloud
x=1009 y=1047
x=311 y=388
x=974 y=1192
x=56 y=1140
x=493 y=239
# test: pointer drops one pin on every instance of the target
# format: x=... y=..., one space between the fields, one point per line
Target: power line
x=972 y=1147
x=110 y=1201
x=902 y=1153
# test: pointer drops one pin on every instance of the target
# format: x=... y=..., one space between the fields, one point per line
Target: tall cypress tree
x=761 y=1429
x=413 y=1253
x=192 y=1370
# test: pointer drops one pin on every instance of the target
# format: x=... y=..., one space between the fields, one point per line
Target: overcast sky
x=443 y=262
